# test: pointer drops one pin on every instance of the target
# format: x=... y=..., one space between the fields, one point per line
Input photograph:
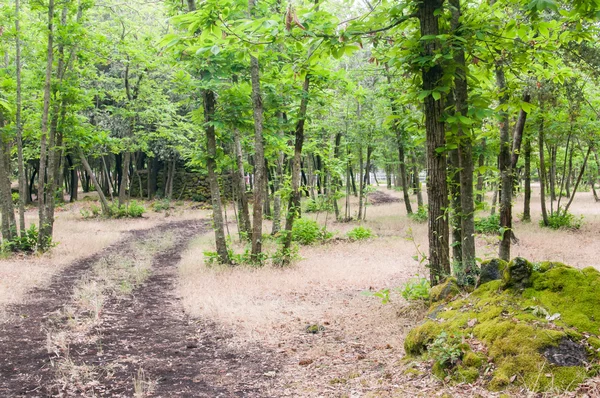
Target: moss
x=472 y=360
x=466 y=374
x=498 y=314
x=438 y=370
x=445 y=291
x=418 y=338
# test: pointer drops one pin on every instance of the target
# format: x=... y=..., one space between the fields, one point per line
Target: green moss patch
x=537 y=327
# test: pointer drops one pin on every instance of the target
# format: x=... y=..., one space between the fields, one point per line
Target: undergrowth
x=562 y=220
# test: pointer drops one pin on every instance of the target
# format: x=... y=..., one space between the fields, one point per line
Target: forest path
x=137 y=343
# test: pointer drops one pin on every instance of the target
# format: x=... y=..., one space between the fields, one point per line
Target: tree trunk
x=527 y=200
x=361 y=186
x=259 y=153
x=208 y=97
x=465 y=155
x=124 y=179
x=417 y=182
x=244 y=222
x=88 y=169
x=18 y=124
x=9 y=225
x=43 y=237
x=437 y=190
x=455 y=219
x=578 y=181
x=74 y=183
x=294 y=204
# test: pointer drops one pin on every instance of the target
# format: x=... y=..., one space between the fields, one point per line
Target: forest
x=300 y=198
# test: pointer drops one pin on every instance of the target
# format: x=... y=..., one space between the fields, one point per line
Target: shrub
x=306 y=232
x=416 y=289
x=133 y=210
x=446 y=349
x=317 y=205
x=27 y=243
x=360 y=233
x=563 y=220
x=488 y=225
x=160 y=205
x=15 y=197
x=421 y=215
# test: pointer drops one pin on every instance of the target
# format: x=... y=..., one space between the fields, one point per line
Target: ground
x=128 y=308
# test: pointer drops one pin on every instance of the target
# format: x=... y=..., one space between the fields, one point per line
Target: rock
x=518 y=273
x=445 y=291
x=491 y=270
x=566 y=353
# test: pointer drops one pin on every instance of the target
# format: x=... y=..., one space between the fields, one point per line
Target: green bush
x=563 y=220
x=160 y=205
x=317 y=205
x=27 y=243
x=488 y=225
x=133 y=210
x=416 y=289
x=421 y=215
x=15 y=197
x=360 y=233
x=305 y=231
x=446 y=349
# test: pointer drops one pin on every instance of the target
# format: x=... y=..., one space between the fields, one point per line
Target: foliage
x=563 y=220
x=488 y=225
x=132 y=210
x=15 y=197
x=27 y=243
x=446 y=349
x=160 y=205
x=420 y=216
x=416 y=289
x=360 y=233
x=307 y=232
x=317 y=205
x=383 y=294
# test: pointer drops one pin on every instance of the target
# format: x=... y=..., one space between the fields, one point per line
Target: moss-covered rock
x=518 y=273
x=539 y=325
x=444 y=291
x=491 y=270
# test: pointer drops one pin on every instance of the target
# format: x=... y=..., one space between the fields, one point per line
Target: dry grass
x=362 y=342
x=77 y=238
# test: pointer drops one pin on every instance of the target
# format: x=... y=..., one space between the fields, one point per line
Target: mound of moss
x=536 y=327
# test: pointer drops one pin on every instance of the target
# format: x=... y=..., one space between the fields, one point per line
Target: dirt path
x=144 y=344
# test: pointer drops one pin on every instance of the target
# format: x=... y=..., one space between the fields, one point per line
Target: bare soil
x=378 y=198
x=145 y=346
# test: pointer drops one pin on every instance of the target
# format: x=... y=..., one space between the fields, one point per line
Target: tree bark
x=18 y=123
x=259 y=153
x=88 y=169
x=437 y=190
x=208 y=97
x=244 y=222
x=43 y=237
x=465 y=155
x=294 y=204
x=527 y=199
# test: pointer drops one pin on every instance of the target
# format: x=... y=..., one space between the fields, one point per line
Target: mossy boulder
x=518 y=273
x=444 y=291
x=539 y=326
x=491 y=270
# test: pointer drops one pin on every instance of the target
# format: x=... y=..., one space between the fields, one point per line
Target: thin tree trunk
x=105 y=205
x=361 y=186
x=578 y=181
x=124 y=179
x=480 y=175
x=527 y=200
x=18 y=124
x=244 y=214
x=455 y=217
x=259 y=152
x=417 y=181
x=294 y=205
x=43 y=237
x=208 y=97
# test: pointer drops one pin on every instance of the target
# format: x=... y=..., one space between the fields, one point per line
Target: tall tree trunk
x=18 y=124
x=43 y=237
x=455 y=217
x=259 y=152
x=437 y=190
x=208 y=97
x=9 y=225
x=244 y=222
x=480 y=175
x=417 y=182
x=403 y=174
x=578 y=181
x=465 y=155
x=361 y=187
x=74 y=183
x=294 y=204
x=527 y=200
